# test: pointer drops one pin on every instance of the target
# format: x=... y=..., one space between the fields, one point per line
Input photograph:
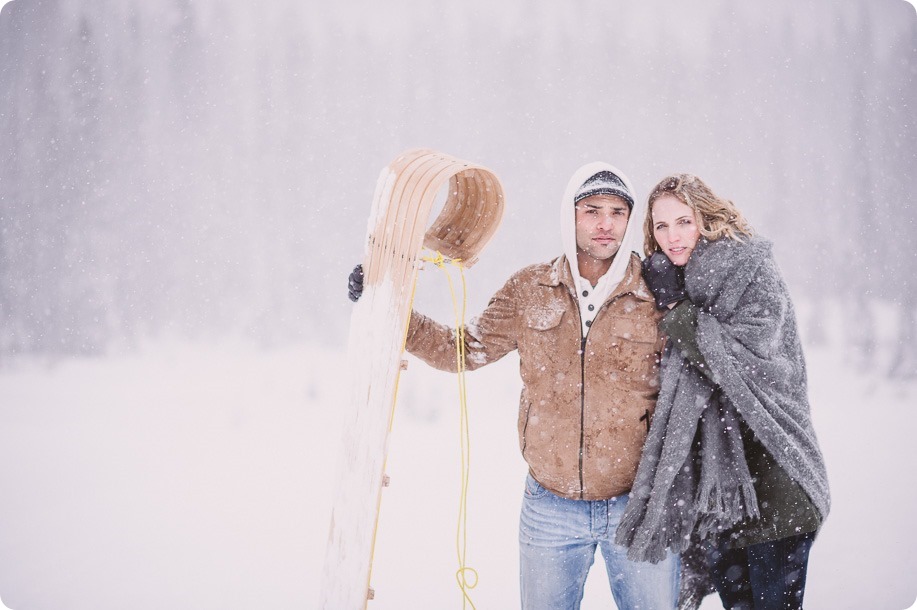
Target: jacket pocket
x=524 y=426
x=633 y=352
x=542 y=318
x=638 y=331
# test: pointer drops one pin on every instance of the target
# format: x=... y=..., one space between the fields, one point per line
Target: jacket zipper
x=582 y=411
x=582 y=392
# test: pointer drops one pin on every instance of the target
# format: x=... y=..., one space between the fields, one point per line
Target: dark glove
x=355 y=283
x=665 y=280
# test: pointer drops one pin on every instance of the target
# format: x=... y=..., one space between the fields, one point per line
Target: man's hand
x=665 y=280
x=355 y=283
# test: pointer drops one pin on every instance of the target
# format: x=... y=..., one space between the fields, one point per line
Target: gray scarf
x=693 y=479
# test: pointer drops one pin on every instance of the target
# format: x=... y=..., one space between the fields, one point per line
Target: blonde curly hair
x=716 y=217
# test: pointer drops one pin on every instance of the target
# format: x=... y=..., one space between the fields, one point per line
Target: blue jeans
x=557 y=541
x=766 y=576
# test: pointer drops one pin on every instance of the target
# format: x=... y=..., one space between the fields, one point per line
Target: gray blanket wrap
x=693 y=479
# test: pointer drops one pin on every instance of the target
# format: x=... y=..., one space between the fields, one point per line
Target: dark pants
x=766 y=576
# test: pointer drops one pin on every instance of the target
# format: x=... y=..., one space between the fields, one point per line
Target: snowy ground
x=200 y=477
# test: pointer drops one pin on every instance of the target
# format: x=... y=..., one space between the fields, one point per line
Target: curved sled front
x=396 y=234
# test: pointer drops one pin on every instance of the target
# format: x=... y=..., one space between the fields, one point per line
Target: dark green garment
x=786 y=510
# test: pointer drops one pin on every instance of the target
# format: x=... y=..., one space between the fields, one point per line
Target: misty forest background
x=203 y=169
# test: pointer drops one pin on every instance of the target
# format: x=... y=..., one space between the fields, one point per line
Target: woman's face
x=675 y=228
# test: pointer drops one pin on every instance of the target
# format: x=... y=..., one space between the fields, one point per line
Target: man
x=585 y=327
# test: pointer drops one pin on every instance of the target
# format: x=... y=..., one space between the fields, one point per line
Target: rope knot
x=441 y=261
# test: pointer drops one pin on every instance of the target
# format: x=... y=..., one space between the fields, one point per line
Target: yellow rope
x=461 y=535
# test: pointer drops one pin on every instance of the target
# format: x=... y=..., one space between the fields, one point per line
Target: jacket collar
x=559 y=273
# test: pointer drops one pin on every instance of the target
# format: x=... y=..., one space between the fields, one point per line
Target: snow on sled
x=396 y=235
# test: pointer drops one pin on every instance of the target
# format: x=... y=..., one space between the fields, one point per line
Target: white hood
x=633 y=236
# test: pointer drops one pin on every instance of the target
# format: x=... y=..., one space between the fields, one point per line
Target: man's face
x=600 y=224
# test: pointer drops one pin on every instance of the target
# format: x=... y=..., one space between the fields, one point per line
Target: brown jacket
x=585 y=405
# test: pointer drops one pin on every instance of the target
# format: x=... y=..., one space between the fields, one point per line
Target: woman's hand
x=665 y=280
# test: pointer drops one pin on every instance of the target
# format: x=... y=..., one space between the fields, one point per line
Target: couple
x=663 y=415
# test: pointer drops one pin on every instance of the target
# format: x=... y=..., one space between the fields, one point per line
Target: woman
x=731 y=474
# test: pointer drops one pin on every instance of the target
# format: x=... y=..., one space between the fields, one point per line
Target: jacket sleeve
x=488 y=337
x=680 y=325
